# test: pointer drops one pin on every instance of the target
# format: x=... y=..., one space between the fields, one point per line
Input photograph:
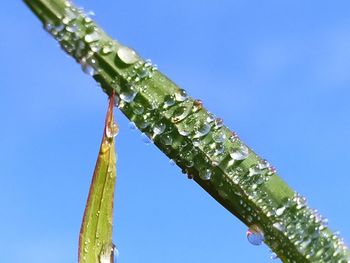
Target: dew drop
x=179 y=114
x=127 y=55
x=138 y=109
x=239 y=153
x=219 y=136
x=169 y=100
x=280 y=210
x=132 y=126
x=159 y=128
x=218 y=123
x=273 y=256
x=205 y=174
x=112 y=130
x=166 y=139
x=128 y=94
x=92 y=37
x=197 y=105
x=181 y=95
x=255 y=235
x=203 y=129
x=145 y=139
x=107 y=48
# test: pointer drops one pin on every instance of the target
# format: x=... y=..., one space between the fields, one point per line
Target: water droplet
x=132 y=125
x=218 y=123
x=166 y=139
x=92 y=37
x=197 y=105
x=159 y=128
x=255 y=170
x=181 y=95
x=279 y=227
x=112 y=130
x=169 y=100
x=179 y=114
x=280 y=210
x=205 y=174
x=128 y=94
x=107 y=48
x=203 y=129
x=255 y=235
x=239 y=153
x=145 y=139
x=115 y=253
x=219 y=136
x=138 y=109
x=127 y=55
x=273 y=256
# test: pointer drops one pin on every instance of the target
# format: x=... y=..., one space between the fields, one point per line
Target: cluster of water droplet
x=199 y=143
x=79 y=36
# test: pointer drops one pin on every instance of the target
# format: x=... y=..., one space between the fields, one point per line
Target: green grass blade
x=95 y=242
x=199 y=143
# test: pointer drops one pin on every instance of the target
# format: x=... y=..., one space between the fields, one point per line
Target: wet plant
x=196 y=140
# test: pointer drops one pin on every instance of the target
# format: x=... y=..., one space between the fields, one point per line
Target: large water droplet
x=159 y=128
x=169 y=100
x=280 y=210
x=112 y=130
x=181 y=95
x=205 y=174
x=255 y=235
x=239 y=153
x=128 y=94
x=127 y=55
x=92 y=37
x=203 y=129
x=180 y=113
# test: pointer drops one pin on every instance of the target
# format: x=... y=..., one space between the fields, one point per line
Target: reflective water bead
x=127 y=55
x=273 y=256
x=181 y=95
x=115 y=253
x=197 y=105
x=128 y=93
x=166 y=139
x=112 y=130
x=132 y=125
x=205 y=174
x=203 y=129
x=179 y=114
x=94 y=36
x=255 y=170
x=169 y=100
x=255 y=235
x=210 y=118
x=159 y=128
x=280 y=210
x=239 y=153
x=138 y=109
x=218 y=123
x=145 y=139
x=219 y=136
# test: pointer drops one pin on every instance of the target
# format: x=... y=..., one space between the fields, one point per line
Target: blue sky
x=276 y=71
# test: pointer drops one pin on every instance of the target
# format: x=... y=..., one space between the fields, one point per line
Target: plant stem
x=198 y=142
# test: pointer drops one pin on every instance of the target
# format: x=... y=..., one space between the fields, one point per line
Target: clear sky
x=277 y=72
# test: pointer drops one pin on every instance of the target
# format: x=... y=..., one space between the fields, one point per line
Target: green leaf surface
x=95 y=242
x=205 y=149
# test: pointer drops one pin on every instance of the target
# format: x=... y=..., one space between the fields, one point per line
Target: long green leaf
x=95 y=242
x=199 y=143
